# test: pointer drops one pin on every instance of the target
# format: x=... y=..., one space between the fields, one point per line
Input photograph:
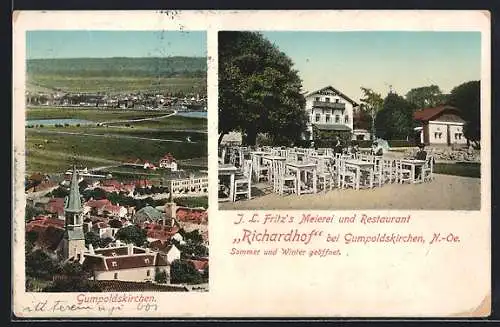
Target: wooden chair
x=243 y=183
x=347 y=177
x=324 y=175
x=403 y=173
x=260 y=171
x=378 y=171
x=283 y=181
x=389 y=171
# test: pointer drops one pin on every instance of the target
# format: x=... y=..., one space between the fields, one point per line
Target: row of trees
x=260 y=92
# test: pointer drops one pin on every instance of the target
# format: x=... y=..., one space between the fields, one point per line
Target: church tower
x=73 y=243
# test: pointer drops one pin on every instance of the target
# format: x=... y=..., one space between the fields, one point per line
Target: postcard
x=251 y=164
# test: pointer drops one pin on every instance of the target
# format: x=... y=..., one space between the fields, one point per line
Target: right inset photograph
x=321 y=120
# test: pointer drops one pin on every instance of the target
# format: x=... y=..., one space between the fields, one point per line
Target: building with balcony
x=329 y=110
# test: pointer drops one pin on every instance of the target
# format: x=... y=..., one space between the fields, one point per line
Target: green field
x=114 y=85
x=466 y=169
x=96 y=115
x=49 y=149
x=53 y=153
x=100 y=115
x=118 y=75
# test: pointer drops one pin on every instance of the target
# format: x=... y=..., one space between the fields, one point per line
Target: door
x=448 y=135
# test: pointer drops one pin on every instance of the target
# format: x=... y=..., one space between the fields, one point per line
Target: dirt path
x=446 y=192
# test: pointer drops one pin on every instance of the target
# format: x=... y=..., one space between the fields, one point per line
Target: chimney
x=118 y=243
x=130 y=249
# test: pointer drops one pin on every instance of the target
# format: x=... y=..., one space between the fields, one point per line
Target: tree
x=105 y=241
x=395 y=120
x=466 y=97
x=92 y=238
x=40 y=265
x=425 y=96
x=182 y=271
x=31 y=212
x=259 y=92
x=83 y=185
x=371 y=104
x=160 y=276
x=60 y=192
x=132 y=234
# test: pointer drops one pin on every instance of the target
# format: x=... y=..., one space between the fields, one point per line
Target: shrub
x=401 y=143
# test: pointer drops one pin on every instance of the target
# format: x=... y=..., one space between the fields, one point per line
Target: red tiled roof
x=112 y=208
x=427 y=114
x=192 y=215
x=55 y=205
x=200 y=265
x=99 y=204
x=111 y=182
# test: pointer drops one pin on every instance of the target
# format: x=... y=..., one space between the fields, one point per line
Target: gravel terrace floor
x=445 y=192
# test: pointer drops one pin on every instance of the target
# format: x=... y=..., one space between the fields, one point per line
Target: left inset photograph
x=116 y=178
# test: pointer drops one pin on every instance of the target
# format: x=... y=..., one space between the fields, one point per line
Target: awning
x=333 y=127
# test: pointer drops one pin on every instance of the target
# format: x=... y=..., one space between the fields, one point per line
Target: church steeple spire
x=74 y=202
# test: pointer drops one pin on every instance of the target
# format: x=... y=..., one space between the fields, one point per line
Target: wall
x=132 y=275
x=438 y=133
x=363 y=132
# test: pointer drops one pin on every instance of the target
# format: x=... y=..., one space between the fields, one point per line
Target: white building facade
x=329 y=109
x=441 y=125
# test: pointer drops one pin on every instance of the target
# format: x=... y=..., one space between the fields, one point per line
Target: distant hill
x=119 y=66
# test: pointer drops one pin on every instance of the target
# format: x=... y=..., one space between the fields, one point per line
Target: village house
x=160 y=232
x=55 y=206
x=170 y=250
x=104 y=207
x=440 y=125
x=147 y=214
x=329 y=110
x=125 y=262
x=168 y=162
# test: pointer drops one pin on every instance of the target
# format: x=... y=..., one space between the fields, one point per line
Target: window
x=114 y=264
x=116 y=275
x=327 y=117
x=337 y=118
x=317 y=117
x=316 y=99
x=327 y=99
x=146 y=261
x=346 y=119
x=148 y=273
x=336 y=100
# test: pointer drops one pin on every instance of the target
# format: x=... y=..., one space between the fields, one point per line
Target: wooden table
x=360 y=165
x=412 y=163
x=302 y=167
x=228 y=170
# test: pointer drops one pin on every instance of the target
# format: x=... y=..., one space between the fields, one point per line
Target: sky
x=102 y=44
x=379 y=60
